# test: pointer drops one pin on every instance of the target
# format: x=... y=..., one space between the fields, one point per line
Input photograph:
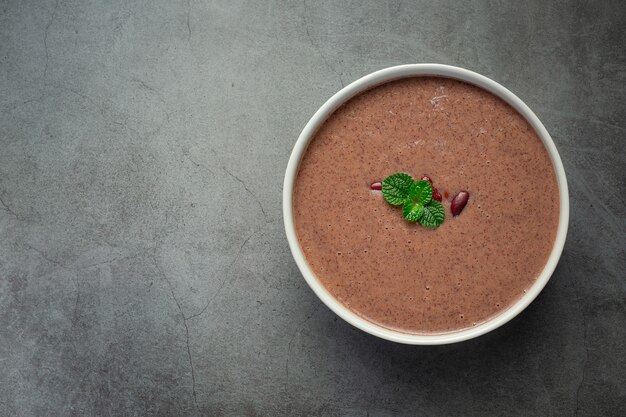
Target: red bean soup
x=401 y=275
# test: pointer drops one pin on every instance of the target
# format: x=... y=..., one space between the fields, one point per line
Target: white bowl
x=372 y=80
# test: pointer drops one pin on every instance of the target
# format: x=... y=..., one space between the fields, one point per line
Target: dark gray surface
x=143 y=264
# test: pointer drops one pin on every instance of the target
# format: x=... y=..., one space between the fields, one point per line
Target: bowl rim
x=380 y=77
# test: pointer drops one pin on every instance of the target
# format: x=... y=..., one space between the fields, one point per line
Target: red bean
x=458 y=203
x=377 y=186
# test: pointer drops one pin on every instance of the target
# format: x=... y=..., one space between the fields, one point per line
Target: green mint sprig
x=416 y=199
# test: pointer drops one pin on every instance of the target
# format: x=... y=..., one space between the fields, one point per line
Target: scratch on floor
x=45 y=38
x=223 y=283
x=298 y=330
x=108 y=261
x=197 y=164
x=188 y=26
x=316 y=47
x=45 y=257
x=8 y=209
x=156 y=92
x=171 y=288
x=239 y=180
x=586 y=361
x=584 y=373
x=600 y=207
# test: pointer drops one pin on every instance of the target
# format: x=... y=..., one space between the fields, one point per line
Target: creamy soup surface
x=401 y=275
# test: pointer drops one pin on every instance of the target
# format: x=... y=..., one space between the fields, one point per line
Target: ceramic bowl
x=365 y=83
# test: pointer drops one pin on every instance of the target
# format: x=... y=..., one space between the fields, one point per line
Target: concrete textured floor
x=144 y=269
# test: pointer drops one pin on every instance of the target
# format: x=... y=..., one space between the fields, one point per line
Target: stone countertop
x=144 y=269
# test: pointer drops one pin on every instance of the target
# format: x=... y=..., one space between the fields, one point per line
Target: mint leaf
x=434 y=214
x=396 y=188
x=412 y=211
x=421 y=192
x=416 y=198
